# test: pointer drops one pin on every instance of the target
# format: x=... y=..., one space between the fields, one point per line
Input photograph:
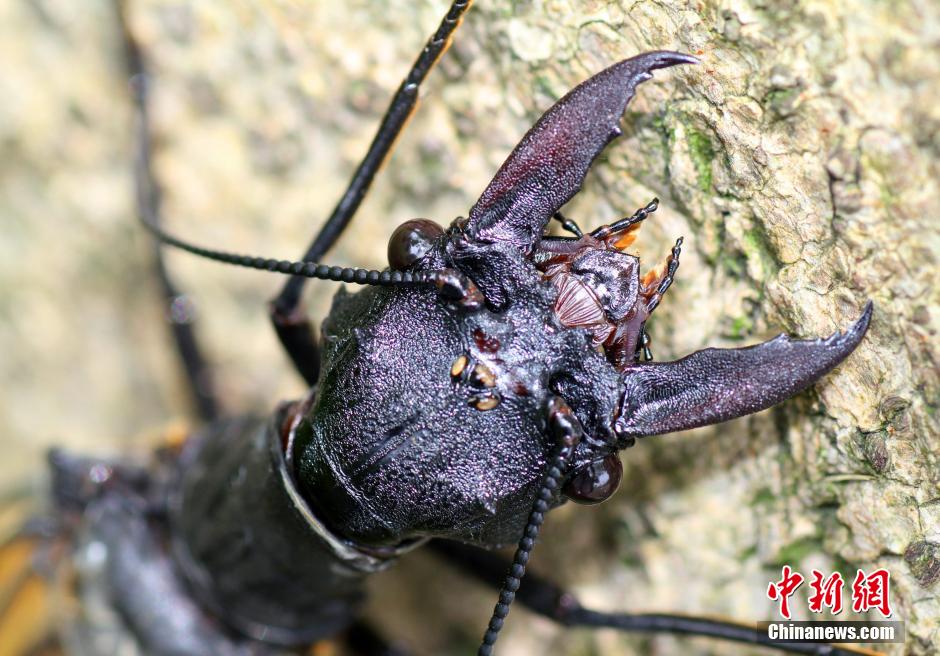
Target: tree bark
x=799 y=160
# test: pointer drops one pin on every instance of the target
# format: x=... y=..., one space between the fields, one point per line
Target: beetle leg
x=547 y=599
x=643 y=346
x=619 y=234
x=179 y=308
x=299 y=339
x=652 y=290
x=715 y=385
x=154 y=604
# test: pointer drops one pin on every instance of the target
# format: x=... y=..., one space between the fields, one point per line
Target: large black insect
x=492 y=373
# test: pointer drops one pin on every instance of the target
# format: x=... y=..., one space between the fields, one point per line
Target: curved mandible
x=549 y=165
x=715 y=385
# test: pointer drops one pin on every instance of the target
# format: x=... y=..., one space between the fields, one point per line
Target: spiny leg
x=613 y=229
x=178 y=307
x=180 y=314
x=559 y=605
x=622 y=233
x=298 y=337
x=293 y=328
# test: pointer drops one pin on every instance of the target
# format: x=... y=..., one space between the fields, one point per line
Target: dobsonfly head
x=432 y=417
x=449 y=386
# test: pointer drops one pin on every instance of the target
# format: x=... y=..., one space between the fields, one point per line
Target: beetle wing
x=548 y=166
x=715 y=385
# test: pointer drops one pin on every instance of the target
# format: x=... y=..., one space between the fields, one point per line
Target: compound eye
x=410 y=241
x=595 y=481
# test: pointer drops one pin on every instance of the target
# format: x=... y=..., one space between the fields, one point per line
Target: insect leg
x=643 y=346
x=296 y=334
x=568 y=224
x=141 y=580
x=559 y=605
x=624 y=224
x=178 y=307
x=672 y=265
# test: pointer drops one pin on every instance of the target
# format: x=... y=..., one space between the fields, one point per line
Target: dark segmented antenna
x=146 y=189
x=445 y=279
x=566 y=429
x=563 y=608
x=309 y=269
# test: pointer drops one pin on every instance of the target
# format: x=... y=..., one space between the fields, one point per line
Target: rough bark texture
x=800 y=162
